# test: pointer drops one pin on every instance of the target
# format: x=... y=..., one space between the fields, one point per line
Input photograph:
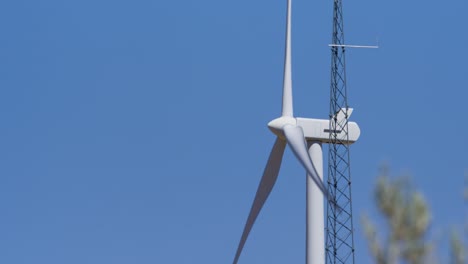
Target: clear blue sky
x=135 y=131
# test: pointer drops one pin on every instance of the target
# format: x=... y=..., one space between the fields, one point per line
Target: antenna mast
x=339 y=231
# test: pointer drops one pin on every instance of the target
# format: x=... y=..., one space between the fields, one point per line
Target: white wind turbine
x=298 y=133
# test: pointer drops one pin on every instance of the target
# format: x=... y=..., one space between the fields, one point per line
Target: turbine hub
x=276 y=125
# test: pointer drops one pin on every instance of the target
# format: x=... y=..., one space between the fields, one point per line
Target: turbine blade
x=296 y=141
x=270 y=174
x=287 y=79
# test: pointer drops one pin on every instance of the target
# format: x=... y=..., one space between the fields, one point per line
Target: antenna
x=353 y=46
x=356 y=46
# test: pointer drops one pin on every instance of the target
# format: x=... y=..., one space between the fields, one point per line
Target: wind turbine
x=300 y=133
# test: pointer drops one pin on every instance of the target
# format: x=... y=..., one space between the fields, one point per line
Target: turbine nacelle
x=318 y=129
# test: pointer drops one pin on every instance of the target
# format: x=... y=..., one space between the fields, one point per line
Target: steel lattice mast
x=339 y=229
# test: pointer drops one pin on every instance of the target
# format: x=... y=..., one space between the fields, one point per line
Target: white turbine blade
x=270 y=174
x=296 y=141
x=287 y=81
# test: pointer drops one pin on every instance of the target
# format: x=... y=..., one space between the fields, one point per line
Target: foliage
x=457 y=247
x=407 y=218
x=457 y=254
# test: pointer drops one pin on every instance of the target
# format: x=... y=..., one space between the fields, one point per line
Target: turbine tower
x=339 y=231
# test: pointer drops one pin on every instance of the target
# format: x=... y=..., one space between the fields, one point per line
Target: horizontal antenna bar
x=353 y=46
